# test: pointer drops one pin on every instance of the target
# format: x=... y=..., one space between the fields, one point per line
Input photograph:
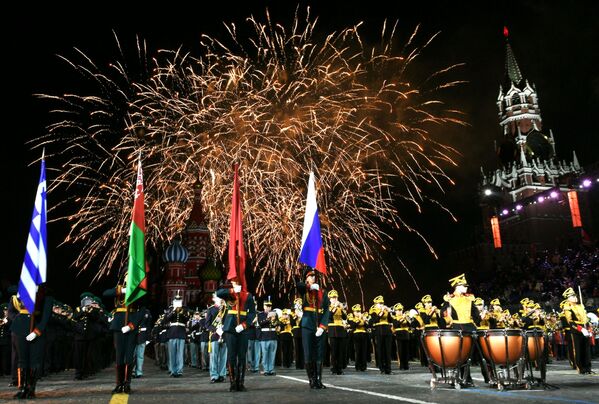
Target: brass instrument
x=218 y=321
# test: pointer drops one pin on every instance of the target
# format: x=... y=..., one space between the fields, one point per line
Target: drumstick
x=580 y=294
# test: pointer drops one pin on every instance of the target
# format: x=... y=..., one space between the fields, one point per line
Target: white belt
x=142 y=329
x=176 y=324
x=268 y=329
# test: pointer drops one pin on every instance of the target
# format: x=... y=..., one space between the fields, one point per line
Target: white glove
x=239 y=328
x=314 y=286
x=219 y=331
x=126 y=329
x=584 y=332
x=147 y=342
x=413 y=313
x=237 y=288
x=31 y=337
x=319 y=330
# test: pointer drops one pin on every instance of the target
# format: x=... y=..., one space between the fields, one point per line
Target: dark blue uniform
x=30 y=353
x=315 y=305
x=124 y=343
x=241 y=311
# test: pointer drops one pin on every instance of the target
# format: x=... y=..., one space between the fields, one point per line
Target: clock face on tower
x=538 y=145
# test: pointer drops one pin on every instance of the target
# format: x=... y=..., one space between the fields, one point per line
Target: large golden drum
x=448 y=348
x=535 y=344
x=502 y=347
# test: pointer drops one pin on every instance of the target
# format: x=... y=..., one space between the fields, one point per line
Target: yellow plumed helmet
x=379 y=299
x=562 y=304
x=515 y=315
x=507 y=312
x=458 y=280
x=524 y=301
x=479 y=301
x=530 y=304
x=333 y=293
x=495 y=302
x=536 y=306
x=568 y=292
x=398 y=306
x=426 y=299
x=419 y=306
x=356 y=307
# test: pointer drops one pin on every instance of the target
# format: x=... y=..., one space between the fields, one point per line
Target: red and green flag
x=137 y=268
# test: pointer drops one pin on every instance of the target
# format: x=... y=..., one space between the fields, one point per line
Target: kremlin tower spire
x=511 y=66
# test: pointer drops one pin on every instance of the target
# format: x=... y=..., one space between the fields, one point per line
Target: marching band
x=317 y=327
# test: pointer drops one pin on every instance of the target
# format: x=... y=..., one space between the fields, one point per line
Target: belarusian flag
x=136 y=279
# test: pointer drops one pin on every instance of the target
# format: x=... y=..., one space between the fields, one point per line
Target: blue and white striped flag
x=33 y=271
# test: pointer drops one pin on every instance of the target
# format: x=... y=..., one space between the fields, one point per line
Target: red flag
x=236 y=249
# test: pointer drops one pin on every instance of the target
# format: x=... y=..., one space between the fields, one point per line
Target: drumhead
x=445 y=333
x=510 y=332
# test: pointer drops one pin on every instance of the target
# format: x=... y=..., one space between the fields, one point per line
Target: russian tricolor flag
x=312 y=252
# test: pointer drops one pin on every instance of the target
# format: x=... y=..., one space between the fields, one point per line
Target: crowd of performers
x=232 y=337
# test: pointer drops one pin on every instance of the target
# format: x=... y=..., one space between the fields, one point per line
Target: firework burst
x=280 y=102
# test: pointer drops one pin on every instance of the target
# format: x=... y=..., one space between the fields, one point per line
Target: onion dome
x=210 y=272
x=176 y=253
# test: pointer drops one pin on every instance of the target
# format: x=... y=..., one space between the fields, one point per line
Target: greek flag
x=33 y=271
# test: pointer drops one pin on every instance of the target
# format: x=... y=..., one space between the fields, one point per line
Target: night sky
x=555 y=45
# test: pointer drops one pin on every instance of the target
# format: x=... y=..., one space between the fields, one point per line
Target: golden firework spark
x=279 y=102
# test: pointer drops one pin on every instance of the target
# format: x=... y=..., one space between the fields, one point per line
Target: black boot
x=310 y=372
x=318 y=382
x=31 y=382
x=21 y=383
x=127 y=379
x=120 y=369
x=241 y=378
x=232 y=380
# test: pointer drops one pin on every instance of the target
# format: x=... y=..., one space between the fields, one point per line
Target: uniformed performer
x=83 y=318
x=576 y=316
x=143 y=338
x=240 y=313
x=380 y=320
x=28 y=334
x=4 y=340
x=124 y=326
x=176 y=321
x=358 y=321
x=337 y=333
x=460 y=313
x=485 y=324
x=296 y=329
x=315 y=320
x=286 y=338
x=217 y=347
x=401 y=328
x=267 y=324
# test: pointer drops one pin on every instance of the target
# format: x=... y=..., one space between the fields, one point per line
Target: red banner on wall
x=574 y=209
x=496 y=234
